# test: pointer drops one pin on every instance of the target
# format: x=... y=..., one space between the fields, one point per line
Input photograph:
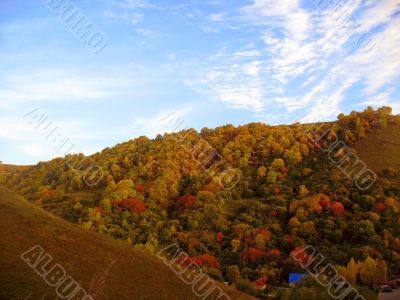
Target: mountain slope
x=381 y=149
x=295 y=185
x=131 y=274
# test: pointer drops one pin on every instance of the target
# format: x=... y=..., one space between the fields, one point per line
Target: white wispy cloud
x=378 y=13
x=249 y=53
x=35 y=151
x=170 y=121
x=380 y=99
x=134 y=18
x=237 y=85
x=209 y=29
x=316 y=53
x=132 y=4
x=217 y=17
x=286 y=14
x=56 y=85
x=374 y=70
x=37 y=140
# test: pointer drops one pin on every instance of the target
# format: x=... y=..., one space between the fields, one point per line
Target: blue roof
x=296 y=277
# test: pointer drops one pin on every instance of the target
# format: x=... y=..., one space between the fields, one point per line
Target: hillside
x=241 y=200
x=381 y=149
x=132 y=274
x=7 y=170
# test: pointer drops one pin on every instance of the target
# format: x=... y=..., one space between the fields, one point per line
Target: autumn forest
x=240 y=200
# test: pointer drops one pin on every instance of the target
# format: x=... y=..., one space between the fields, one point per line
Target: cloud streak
x=311 y=56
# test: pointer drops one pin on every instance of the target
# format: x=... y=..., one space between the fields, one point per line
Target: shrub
x=215 y=274
x=246 y=286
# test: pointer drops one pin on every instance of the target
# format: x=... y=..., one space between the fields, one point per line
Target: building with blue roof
x=295 y=278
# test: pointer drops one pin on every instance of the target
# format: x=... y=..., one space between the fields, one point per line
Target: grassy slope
x=381 y=149
x=135 y=275
x=4 y=168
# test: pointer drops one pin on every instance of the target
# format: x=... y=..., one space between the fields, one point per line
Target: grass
x=381 y=149
x=135 y=274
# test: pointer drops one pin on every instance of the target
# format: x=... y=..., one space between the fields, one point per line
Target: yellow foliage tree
x=352 y=271
x=368 y=271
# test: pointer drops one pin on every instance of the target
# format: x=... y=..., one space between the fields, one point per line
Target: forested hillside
x=239 y=200
x=104 y=268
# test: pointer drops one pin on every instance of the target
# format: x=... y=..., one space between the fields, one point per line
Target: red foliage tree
x=220 y=237
x=375 y=253
x=261 y=282
x=380 y=207
x=337 y=208
x=300 y=256
x=251 y=255
x=284 y=170
x=325 y=203
x=99 y=210
x=274 y=253
x=46 y=195
x=184 y=261
x=273 y=213
x=267 y=235
x=185 y=202
x=209 y=261
x=290 y=238
x=277 y=190
x=248 y=239
x=134 y=205
x=139 y=188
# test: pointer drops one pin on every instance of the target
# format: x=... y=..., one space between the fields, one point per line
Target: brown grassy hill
x=84 y=256
x=381 y=149
x=5 y=168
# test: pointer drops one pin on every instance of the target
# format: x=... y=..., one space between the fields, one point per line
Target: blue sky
x=202 y=63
